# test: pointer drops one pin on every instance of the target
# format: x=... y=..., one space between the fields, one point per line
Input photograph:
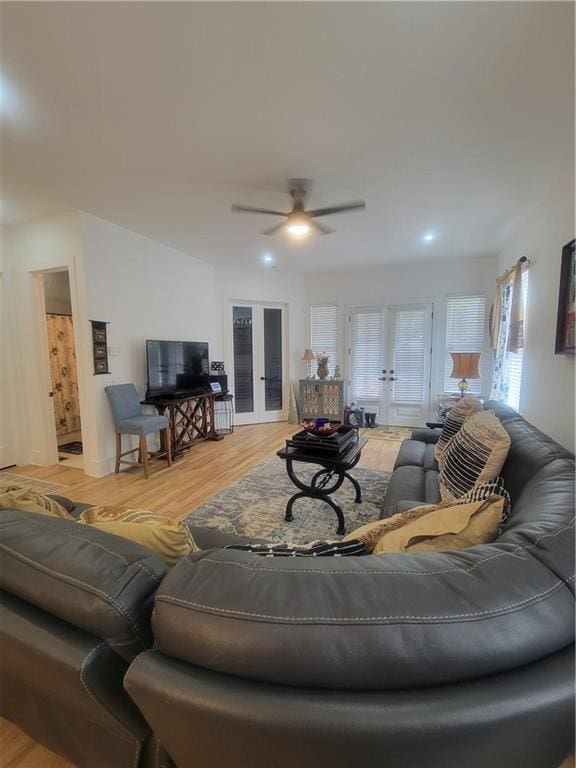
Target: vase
x=322 y=370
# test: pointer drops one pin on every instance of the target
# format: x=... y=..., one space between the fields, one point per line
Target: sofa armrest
x=426 y=435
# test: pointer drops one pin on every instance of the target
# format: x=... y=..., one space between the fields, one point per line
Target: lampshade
x=465 y=365
x=308 y=356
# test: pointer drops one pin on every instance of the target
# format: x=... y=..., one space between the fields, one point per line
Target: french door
x=257 y=352
x=389 y=361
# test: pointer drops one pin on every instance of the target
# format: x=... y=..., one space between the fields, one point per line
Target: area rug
x=41 y=486
x=74 y=447
x=254 y=506
x=387 y=433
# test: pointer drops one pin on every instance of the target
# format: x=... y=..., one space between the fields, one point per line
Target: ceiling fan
x=299 y=222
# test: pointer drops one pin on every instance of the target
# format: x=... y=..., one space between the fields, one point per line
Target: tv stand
x=191 y=419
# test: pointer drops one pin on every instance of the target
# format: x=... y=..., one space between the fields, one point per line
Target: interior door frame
x=259 y=415
x=47 y=427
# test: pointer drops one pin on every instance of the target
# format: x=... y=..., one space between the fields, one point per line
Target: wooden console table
x=191 y=420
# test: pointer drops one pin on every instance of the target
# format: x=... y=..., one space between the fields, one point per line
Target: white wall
x=8 y=446
x=547 y=393
x=425 y=282
x=143 y=290
x=27 y=249
x=267 y=285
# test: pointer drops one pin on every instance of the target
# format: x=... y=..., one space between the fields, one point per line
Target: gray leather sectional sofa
x=440 y=660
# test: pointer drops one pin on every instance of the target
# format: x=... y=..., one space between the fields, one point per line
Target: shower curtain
x=64 y=373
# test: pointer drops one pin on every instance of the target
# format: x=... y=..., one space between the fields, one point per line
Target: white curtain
x=508 y=334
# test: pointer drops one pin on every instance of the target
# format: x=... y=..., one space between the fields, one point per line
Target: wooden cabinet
x=321 y=398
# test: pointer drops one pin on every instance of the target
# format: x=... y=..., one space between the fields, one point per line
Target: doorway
x=61 y=347
x=389 y=355
x=257 y=351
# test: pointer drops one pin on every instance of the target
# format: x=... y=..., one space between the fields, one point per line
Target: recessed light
x=428 y=237
x=267 y=258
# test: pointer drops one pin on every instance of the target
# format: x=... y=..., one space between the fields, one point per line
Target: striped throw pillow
x=457 y=415
x=313 y=549
x=475 y=455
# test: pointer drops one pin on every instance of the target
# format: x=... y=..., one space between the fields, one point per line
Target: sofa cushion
x=410 y=482
x=98 y=582
x=416 y=453
x=370 y=622
x=475 y=455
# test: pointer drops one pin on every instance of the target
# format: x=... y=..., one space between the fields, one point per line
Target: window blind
x=409 y=355
x=366 y=347
x=465 y=332
x=324 y=334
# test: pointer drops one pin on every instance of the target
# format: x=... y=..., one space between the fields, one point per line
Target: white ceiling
x=452 y=117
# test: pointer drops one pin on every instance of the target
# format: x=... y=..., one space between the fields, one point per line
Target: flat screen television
x=177 y=367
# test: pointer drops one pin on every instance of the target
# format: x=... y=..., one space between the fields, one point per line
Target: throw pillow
x=457 y=415
x=446 y=528
x=314 y=549
x=27 y=500
x=169 y=539
x=475 y=455
x=484 y=491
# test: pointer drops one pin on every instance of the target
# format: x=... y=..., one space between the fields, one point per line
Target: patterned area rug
x=387 y=433
x=8 y=478
x=254 y=507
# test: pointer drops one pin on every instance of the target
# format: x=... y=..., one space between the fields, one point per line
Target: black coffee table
x=327 y=480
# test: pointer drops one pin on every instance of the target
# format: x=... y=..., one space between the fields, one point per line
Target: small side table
x=326 y=481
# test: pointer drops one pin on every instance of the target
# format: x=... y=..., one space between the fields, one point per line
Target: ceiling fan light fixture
x=298 y=225
x=298 y=230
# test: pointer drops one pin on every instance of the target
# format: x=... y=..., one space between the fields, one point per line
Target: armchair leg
x=143 y=450
x=118 y=451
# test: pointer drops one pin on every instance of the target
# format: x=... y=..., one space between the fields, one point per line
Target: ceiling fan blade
x=274 y=229
x=321 y=228
x=249 y=209
x=359 y=205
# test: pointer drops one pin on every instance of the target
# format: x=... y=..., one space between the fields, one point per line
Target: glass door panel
x=273 y=379
x=243 y=359
x=257 y=346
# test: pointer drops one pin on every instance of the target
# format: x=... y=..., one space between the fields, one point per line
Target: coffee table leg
x=288 y=517
x=356 y=484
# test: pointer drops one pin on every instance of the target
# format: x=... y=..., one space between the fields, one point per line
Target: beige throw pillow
x=446 y=528
x=457 y=415
x=27 y=500
x=475 y=455
x=169 y=539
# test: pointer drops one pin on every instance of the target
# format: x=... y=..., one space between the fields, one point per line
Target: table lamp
x=308 y=357
x=464 y=366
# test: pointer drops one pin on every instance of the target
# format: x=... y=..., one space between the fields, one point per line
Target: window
x=366 y=346
x=324 y=334
x=514 y=360
x=465 y=332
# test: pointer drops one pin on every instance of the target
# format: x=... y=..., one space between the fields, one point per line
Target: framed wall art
x=99 y=347
x=566 y=322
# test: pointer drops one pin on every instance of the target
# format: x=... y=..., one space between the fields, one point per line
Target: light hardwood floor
x=207 y=469
x=175 y=492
